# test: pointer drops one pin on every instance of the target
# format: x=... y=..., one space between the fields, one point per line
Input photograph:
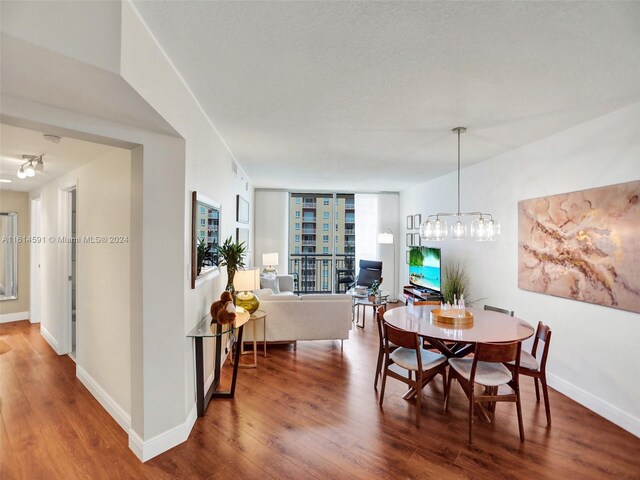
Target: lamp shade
x=246 y=280
x=385 y=238
x=270 y=259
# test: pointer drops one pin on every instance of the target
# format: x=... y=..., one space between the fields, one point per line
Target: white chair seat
x=407 y=358
x=528 y=361
x=488 y=374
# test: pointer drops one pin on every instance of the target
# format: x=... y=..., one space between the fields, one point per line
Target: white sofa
x=306 y=317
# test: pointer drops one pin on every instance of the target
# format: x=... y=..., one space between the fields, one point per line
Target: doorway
x=68 y=249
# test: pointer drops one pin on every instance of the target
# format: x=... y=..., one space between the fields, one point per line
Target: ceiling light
x=27 y=169
x=483 y=228
x=40 y=165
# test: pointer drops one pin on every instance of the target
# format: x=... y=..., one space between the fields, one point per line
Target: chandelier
x=483 y=227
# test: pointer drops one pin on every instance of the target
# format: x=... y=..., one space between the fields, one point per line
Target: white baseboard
x=147 y=449
x=14 y=317
x=603 y=408
x=108 y=403
x=50 y=339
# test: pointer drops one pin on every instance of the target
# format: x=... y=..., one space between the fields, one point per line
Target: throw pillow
x=269 y=280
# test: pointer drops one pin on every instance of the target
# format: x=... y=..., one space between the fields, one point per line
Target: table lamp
x=269 y=260
x=244 y=281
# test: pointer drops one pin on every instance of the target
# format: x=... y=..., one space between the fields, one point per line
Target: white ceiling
x=363 y=95
x=58 y=158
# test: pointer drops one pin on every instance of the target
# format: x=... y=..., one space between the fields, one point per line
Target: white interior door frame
x=35 y=270
x=64 y=252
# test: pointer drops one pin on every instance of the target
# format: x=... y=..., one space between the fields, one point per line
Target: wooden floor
x=306 y=414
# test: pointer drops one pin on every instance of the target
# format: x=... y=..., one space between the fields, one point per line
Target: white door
x=36 y=252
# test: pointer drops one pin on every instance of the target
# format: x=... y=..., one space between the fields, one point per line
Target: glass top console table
x=204 y=329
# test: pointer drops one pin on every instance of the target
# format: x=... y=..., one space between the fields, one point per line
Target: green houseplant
x=373 y=290
x=455 y=282
x=231 y=255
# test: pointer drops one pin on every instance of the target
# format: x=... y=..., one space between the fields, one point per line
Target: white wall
x=272 y=226
x=593 y=356
x=208 y=169
x=103 y=273
x=377 y=213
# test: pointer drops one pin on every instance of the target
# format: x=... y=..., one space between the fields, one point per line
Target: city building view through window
x=322 y=241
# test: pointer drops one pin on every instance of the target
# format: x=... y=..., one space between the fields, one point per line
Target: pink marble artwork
x=583 y=245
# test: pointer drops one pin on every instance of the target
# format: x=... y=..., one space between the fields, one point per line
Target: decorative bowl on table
x=452 y=317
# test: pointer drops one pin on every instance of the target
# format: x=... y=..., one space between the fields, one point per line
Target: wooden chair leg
x=537 y=390
x=384 y=382
x=545 y=392
x=448 y=391
x=471 y=409
x=519 y=410
x=378 y=368
x=444 y=383
x=418 y=397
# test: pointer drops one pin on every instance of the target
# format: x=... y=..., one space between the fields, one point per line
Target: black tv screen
x=424 y=268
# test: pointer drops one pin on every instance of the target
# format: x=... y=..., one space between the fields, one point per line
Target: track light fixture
x=32 y=165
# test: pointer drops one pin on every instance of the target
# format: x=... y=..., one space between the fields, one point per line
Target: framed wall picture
x=582 y=246
x=205 y=237
x=417 y=220
x=242 y=210
x=242 y=235
x=409 y=222
x=416 y=240
x=409 y=239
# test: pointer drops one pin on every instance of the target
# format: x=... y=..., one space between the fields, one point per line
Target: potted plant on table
x=455 y=282
x=231 y=255
x=373 y=290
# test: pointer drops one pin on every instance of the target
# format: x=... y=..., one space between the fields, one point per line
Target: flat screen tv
x=424 y=268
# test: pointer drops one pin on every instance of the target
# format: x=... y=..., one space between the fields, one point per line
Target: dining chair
x=532 y=367
x=487 y=368
x=382 y=347
x=411 y=357
x=499 y=310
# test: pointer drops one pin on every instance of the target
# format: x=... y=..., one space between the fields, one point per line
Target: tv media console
x=413 y=294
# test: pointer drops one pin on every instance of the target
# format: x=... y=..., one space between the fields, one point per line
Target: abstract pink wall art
x=583 y=245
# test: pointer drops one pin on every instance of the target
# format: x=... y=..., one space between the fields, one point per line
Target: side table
x=255 y=316
x=204 y=329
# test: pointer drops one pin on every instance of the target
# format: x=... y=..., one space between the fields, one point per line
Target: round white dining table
x=458 y=341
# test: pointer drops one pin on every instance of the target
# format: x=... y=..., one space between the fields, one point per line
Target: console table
x=414 y=294
x=204 y=329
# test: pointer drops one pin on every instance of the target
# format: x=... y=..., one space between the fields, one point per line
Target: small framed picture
x=417 y=220
x=409 y=239
x=242 y=235
x=410 y=222
x=408 y=255
x=416 y=240
x=242 y=210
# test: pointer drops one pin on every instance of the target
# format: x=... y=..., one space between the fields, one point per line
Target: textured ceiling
x=362 y=95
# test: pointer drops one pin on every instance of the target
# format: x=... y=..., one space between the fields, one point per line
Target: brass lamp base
x=248 y=301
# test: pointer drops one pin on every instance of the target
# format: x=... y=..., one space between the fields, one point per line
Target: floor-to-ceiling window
x=322 y=241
